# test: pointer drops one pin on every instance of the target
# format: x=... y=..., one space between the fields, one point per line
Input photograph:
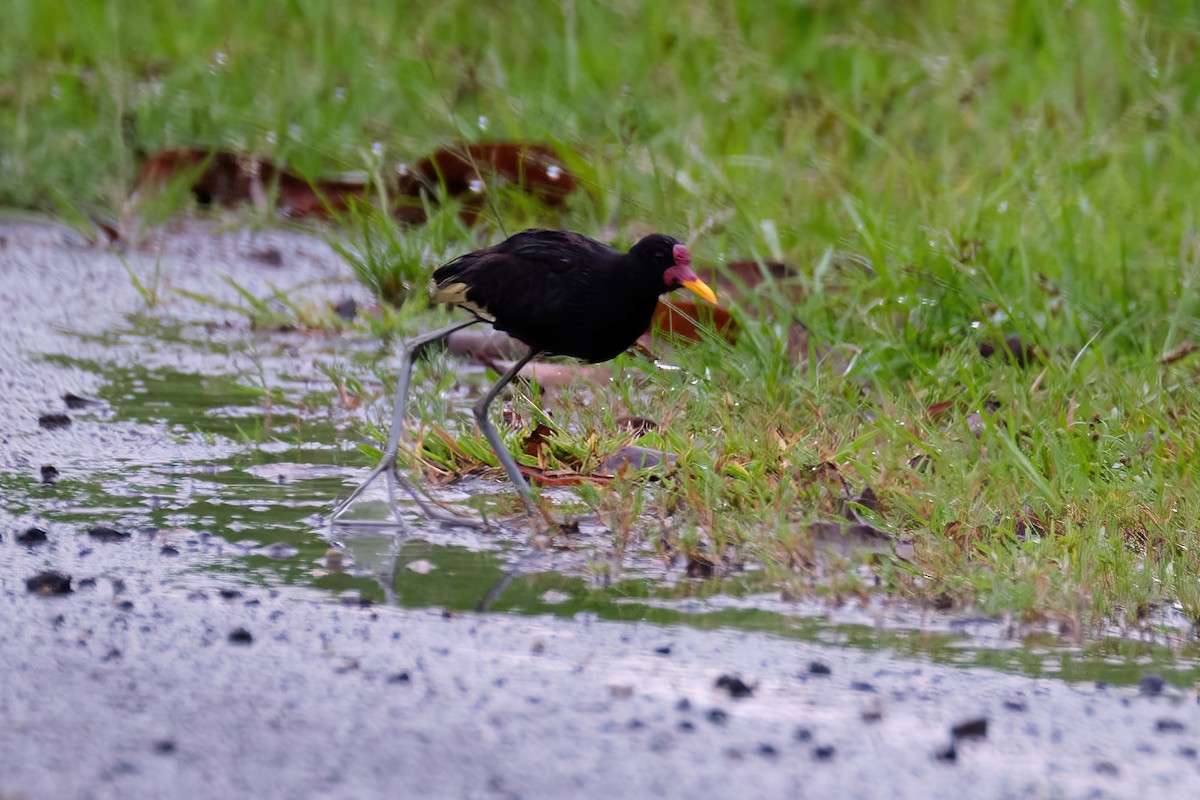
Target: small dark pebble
x=1151 y=685
x=400 y=677
x=164 y=746
x=861 y=686
x=54 y=421
x=241 y=636
x=1016 y=704
x=102 y=533
x=686 y=725
x=125 y=605
x=802 y=734
x=49 y=475
x=819 y=668
x=31 y=536
x=168 y=550
x=665 y=650
x=948 y=753
x=635 y=724
x=971 y=729
x=684 y=705
x=872 y=714
x=1106 y=768
x=943 y=602
x=824 y=752
x=74 y=401
x=49 y=583
x=112 y=655
x=736 y=687
x=87 y=583
x=118 y=585
x=767 y=750
x=717 y=716
x=271 y=256
x=229 y=594
x=1186 y=751
x=346 y=309
x=1169 y=726
x=700 y=567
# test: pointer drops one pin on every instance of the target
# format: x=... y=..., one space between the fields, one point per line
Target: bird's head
x=675 y=260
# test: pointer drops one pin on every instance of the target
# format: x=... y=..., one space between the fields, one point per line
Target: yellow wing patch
x=455 y=294
x=452 y=293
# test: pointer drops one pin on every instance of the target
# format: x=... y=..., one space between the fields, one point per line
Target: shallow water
x=205 y=426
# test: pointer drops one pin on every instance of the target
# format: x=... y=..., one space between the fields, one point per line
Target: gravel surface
x=151 y=679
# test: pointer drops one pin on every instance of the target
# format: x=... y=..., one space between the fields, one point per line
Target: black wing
x=533 y=281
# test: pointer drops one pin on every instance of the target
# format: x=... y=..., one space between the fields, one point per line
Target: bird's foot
x=432 y=509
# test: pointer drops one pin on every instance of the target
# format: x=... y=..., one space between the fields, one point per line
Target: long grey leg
x=493 y=438
x=408 y=354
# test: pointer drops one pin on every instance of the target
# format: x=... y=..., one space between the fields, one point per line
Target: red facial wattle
x=683 y=275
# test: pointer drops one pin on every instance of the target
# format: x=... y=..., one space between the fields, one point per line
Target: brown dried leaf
x=224 y=178
x=938 y=408
x=301 y=198
x=1179 y=353
x=737 y=277
x=683 y=319
x=798 y=343
x=1028 y=522
x=537 y=439
x=560 y=477
x=467 y=169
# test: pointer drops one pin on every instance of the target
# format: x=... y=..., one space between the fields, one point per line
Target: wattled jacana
x=560 y=293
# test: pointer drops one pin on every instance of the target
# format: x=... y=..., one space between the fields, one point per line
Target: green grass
x=942 y=174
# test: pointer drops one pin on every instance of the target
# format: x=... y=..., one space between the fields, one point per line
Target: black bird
x=560 y=293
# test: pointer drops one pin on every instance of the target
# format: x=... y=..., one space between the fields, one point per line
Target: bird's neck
x=643 y=281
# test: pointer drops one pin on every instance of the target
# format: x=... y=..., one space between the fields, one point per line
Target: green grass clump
x=942 y=174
